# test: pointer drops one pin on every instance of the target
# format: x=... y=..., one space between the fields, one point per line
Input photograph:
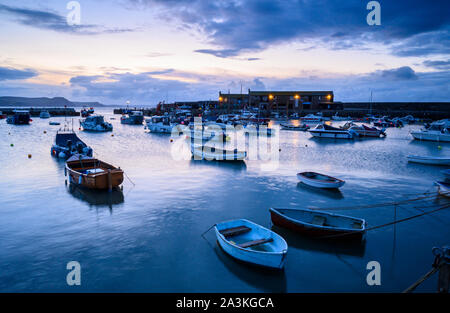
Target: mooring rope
x=422 y=279
x=390 y=223
x=378 y=204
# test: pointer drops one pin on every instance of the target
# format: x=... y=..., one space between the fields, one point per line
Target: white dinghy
x=320 y=180
x=443 y=188
x=252 y=243
x=432 y=160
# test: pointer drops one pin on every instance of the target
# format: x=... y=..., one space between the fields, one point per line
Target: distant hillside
x=43 y=102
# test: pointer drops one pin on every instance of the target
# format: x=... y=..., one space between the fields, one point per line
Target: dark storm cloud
x=14 y=74
x=252 y=25
x=53 y=21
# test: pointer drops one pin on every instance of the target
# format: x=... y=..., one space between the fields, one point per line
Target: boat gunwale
x=282 y=252
x=335 y=228
x=337 y=180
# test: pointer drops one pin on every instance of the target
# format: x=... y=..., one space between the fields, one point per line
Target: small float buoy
x=279 y=149
x=171 y=140
x=112 y=135
x=439 y=147
x=79 y=128
x=12 y=145
x=29 y=156
x=45 y=131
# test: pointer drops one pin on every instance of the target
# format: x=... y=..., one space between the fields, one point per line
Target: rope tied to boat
x=441 y=257
x=390 y=223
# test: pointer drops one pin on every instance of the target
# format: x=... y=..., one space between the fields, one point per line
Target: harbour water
x=146 y=238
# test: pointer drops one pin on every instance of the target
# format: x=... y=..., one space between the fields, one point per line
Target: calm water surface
x=147 y=237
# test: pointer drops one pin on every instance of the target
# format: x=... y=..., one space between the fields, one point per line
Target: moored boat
x=54 y=123
x=252 y=243
x=327 y=131
x=44 y=114
x=311 y=118
x=68 y=144
x=96 y=123
x=133 y=118
x=364 y=130
x=2 y=116
x=302 y=127
x=210 y=153
x=20 y=117
x=93 y=173
x=320 y=180
x=443 y=188
x=160 y=124
x=336 y=117
x=437 y=131
x=319 y=223
x=429 y=160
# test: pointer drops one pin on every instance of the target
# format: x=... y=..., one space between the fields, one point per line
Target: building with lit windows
x=280 y=101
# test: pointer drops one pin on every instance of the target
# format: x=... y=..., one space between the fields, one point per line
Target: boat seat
x=319 y=220
x=234 y=231
x=255 y=242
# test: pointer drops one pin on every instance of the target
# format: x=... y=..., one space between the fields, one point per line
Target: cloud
x=401 y=73
x=53 y=21
x=440 y=64
x=235 y=27
x=14 y=74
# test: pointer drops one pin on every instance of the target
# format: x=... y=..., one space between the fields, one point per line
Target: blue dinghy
x=252 y=243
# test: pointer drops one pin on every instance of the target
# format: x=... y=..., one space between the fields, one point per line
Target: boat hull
x=108 y=179
x=211 y=154
x=427 y=136
x=331 y=134
x=273 y=260
x=321 y=184
x=429 y=160
x=300 y=227
x=444 y=189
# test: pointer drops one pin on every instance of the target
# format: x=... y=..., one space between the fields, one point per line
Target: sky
x=146 y=51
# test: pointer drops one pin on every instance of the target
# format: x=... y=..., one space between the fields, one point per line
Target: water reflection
x=237 y=166
x=330 y=193
x=264 y=279
x=97 y=198
x=330 y=246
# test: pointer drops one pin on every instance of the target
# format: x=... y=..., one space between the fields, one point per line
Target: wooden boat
x=443 y=188
x=319 y=223
x=92 y=173
x=429 y=160
x=252 y=243
x=303 y=127
x=320 y=180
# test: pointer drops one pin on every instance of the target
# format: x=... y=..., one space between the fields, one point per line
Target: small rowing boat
x=429 y=160
x=443 y=188
x=252 y=243
x=92 y=173
x=320 y=180
x=319 y=223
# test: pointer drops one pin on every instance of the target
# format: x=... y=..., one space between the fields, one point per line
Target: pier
x=36 y=111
